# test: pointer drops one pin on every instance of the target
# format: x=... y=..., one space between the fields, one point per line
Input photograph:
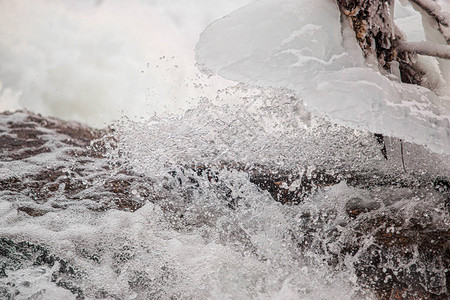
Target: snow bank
x=301 y=45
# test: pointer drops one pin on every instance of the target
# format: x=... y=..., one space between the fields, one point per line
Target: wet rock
x=21 y=255
x=32 y=211
x=356 y=206
x=46 y=158
x=48 y=165
x=407 y=260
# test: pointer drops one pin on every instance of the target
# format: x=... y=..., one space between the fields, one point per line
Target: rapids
x=203 y=189
x=226 y=202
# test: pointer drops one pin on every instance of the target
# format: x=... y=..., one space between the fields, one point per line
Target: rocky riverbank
x=398 y=243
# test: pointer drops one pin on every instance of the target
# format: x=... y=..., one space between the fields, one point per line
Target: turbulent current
x=252 y=200
x=252 y=193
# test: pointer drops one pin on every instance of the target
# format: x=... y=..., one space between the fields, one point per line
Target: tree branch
x=425 y=48
x=434 y=10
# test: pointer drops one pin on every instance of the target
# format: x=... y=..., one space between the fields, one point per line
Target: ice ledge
x=302 y=46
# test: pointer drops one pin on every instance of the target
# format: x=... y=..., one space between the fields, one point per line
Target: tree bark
x=379 y=37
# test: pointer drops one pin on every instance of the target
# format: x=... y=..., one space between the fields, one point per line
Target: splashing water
x=244 y=196
x=207 y=229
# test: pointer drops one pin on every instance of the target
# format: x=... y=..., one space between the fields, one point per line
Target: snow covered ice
x=303 y=46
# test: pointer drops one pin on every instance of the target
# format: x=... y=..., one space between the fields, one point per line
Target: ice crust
x=302 y=46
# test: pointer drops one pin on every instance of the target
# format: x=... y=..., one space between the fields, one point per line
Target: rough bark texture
x=378 y=37
x=374 y=30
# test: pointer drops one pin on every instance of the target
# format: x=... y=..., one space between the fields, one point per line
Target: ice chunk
x=288 y=38
x=303 y=46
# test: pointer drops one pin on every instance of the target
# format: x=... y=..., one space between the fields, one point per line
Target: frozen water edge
x=299 y=45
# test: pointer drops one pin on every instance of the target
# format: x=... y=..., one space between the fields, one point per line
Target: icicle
x=395 y=69
x=391 y=15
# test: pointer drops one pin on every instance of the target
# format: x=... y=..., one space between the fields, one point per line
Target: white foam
x=246 y=253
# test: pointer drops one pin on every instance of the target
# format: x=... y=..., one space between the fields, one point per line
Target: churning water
x=231 y=194
x=208 y=228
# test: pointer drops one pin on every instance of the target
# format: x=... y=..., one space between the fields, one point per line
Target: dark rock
x=31 y=211
x=18 y=255
x=356 y=206
x=78 y=153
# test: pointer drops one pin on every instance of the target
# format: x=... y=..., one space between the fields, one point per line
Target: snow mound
x=303 y=46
